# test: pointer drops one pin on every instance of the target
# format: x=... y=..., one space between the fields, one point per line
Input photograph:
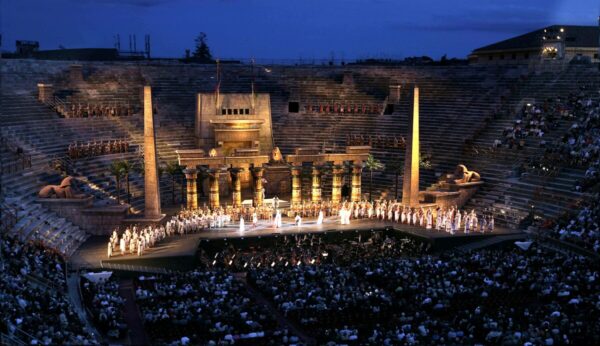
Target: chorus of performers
x=135 y=240
x=87 y=110
x=378 y=141
x=449 y=219
x=78 y=150
x=328 y=107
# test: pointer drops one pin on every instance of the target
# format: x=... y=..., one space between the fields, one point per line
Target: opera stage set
x=243 y=170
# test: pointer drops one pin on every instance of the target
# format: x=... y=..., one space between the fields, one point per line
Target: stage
x=93 y=253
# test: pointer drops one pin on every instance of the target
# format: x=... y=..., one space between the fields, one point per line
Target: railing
x=6 y=339
x=134 y=268
x=8 y=217
x=22 y=162
x=22 y=335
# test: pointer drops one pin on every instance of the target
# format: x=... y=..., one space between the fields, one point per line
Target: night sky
x=292 y=29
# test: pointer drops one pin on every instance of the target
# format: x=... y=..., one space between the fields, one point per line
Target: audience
x=583 y=227
x=34 y=305
x=508 y=297
x=103 y=300
x=205 y=307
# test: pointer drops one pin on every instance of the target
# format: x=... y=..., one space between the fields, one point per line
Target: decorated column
x=258 y=186
x=336 y=184
x=296 y=185
x=191 y=176
x=236 y=183
x=356 y=183
x=316 y=184
x=213 y=180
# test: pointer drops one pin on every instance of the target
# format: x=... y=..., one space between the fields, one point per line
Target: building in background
x=562 y=43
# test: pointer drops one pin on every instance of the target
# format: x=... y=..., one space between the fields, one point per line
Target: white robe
x=429 y=221
x=320 y=218
x=242 y=226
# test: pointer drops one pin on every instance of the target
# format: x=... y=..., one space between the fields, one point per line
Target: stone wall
x=81 y=212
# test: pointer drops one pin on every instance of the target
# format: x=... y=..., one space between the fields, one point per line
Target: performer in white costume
x=298 y=220
x=320 y=218
x=242 y=227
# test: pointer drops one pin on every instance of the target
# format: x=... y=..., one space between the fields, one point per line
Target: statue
x=462 y=175
x=64 y=190
x=212 y=152
x=276 y=155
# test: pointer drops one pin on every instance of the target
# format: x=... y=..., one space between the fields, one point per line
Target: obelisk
x=151 y=190
x=410 y=186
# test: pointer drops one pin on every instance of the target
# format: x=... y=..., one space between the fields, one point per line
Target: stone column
x=410 y=186
x=191 y=176
x=336 y=184
x=296 y=185
x=356 y=183
x=316 y=184
x=236 y=183
x=151 y=188
x=258 y=186
x=213 y=182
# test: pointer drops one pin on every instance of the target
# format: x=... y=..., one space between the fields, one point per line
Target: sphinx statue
x=66 y=189
x=276 y=155
x=462 y=175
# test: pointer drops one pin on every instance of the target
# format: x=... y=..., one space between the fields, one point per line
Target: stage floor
x=94 y=251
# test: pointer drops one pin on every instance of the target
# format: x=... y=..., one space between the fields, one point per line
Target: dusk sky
x=280 y=29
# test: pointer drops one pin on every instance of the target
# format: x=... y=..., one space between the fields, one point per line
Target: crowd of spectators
x=503 y=296
x=534 y=120
x=583 y=227
x=205 y=307
x=106 y=306
x=33 y=299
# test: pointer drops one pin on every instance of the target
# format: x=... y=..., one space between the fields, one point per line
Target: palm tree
x=372 y=164
x=127 y=168
x=396 y=167
x=174 y=170
x=117 y=172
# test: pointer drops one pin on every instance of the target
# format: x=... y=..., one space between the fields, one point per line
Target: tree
x=372 y=165
x=202 y=51
x=127 y=168
x=396 y=167
x=174 y=170
x=115 y=170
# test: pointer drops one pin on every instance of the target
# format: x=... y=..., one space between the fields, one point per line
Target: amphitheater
x=464 y=109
